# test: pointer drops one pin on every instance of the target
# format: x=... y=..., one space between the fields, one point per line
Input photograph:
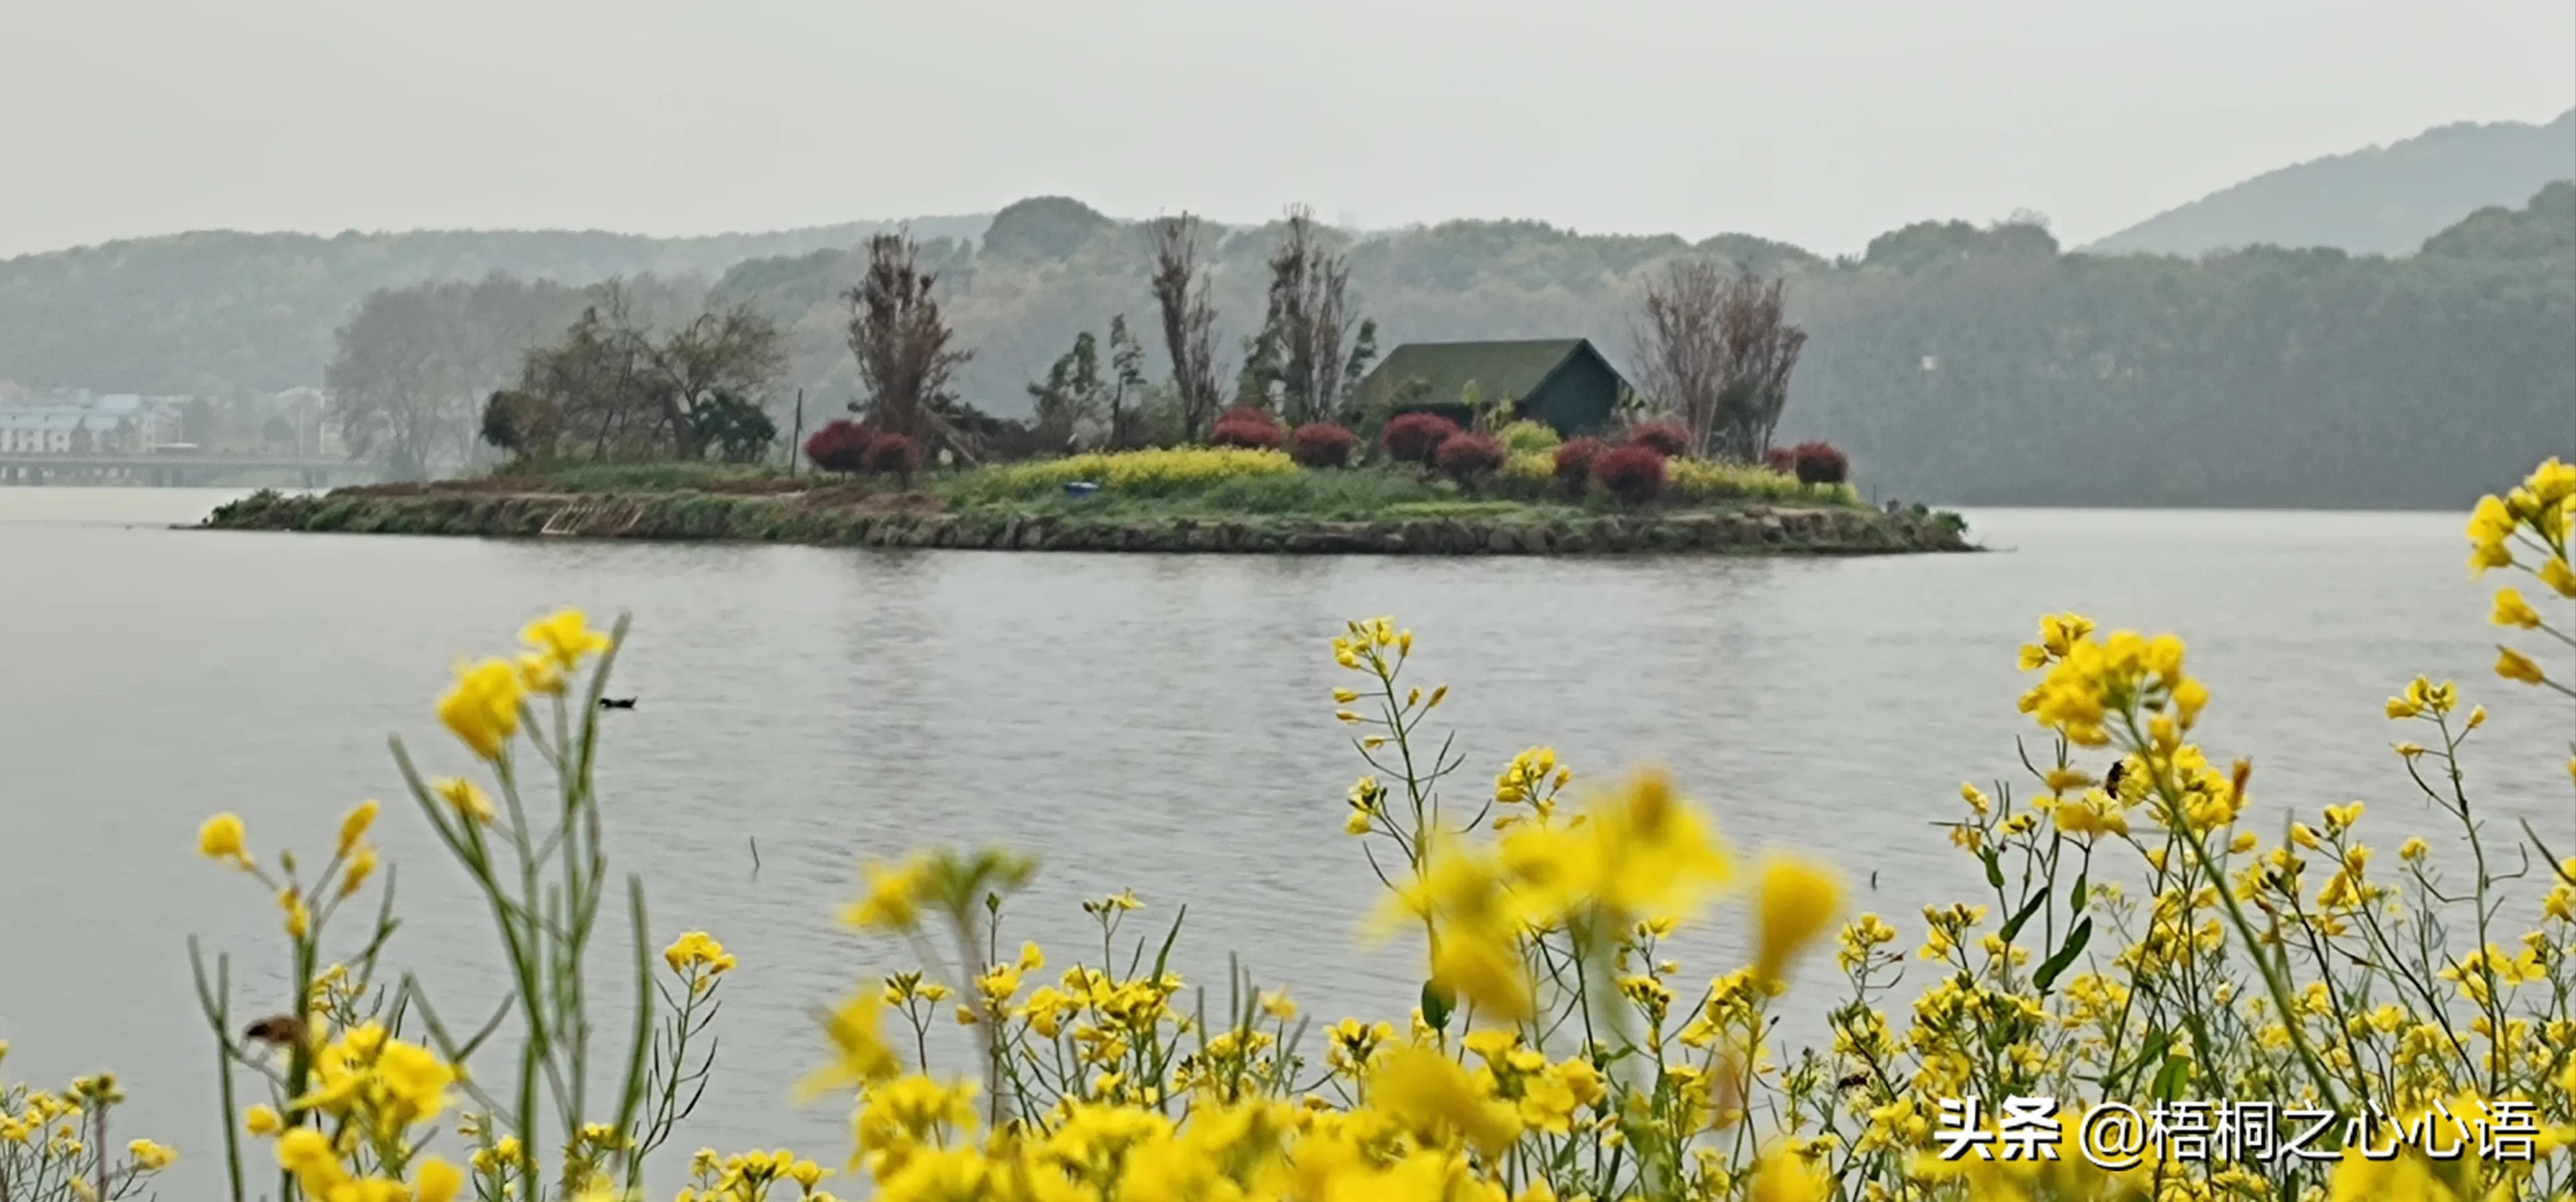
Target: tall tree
x=1356 y=368
x=1306 y=323
x=1680 y=349
x=1072 y=395
x=1127 y=377
x=1189 y=319
x=1761 y=350
x=601 y=382
x=707 y=371
x=902 y=341
x=399 y=391
x=410 y=369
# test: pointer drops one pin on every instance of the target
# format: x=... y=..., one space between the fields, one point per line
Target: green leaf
x=2157 y=1041
x=2022 y=916
x=1994 y=867
x=2077 y=896
x=2056 y=965
x=1437 y=1002
x=2172 y=1078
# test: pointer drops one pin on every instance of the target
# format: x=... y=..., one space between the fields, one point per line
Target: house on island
x=1563 y=382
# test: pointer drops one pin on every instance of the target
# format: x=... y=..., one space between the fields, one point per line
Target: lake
x=1155 y=722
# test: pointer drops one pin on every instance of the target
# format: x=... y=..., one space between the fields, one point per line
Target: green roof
x=1516 y=368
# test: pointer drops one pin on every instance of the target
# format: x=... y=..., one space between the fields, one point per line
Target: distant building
x=67 y=430
x=1563 y=382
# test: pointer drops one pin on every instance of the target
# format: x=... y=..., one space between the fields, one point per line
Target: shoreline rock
x=691 y=516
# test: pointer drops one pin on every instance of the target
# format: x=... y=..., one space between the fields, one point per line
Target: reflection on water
x=1160 y=722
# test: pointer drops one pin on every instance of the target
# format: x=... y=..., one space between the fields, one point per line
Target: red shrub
x=1261 y=434
x=1469 y=458
x=840 y=446
x=1783 y=460
x=1668 y=438
x=1416 y=437
x=894 y=455
x=1322 y=444
x=1574 y=463
x=1634 y=474
x=1820 y=463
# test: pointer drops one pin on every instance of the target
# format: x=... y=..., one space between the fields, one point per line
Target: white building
x=68 y=430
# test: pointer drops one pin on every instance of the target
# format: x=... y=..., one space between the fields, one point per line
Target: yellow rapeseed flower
x=1796 y=900
x=2558 y=576
x=697 y=949
x=436 y=1181
x=539 y=673
x=299 y=920
x=1441 y=1102
x=148 y=1156
x=221 y=839
x=262 y=1120
x=564 y=637
x=360 y=867
x=1783 y=1176
x=861 y=1053
x=354 y=826
x=482 y=709
x=2511 y=610
x=2514 y=665
x=306 y=1153
x=893 y=902
x=470 y=803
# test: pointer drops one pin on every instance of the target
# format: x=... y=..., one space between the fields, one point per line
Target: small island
x=629 y=427
x=1209 y=499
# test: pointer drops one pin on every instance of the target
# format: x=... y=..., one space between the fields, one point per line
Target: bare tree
x=1189 y=319
x=1717 y=350
x=1680 y=349
x=1761 y=350
x=902 y=344
x=395 y=389
x=1298 y=357
x=409 y=372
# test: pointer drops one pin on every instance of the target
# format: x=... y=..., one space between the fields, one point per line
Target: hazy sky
x=1821 y=122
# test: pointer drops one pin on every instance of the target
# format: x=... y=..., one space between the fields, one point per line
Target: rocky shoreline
x=1753 y=529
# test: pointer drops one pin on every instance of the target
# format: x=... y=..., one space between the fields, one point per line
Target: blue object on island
x=1080 y=488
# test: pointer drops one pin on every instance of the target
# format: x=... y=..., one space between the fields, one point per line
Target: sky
x=1821 y=123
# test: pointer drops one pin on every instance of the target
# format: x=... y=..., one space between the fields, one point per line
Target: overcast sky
x=1823 y=123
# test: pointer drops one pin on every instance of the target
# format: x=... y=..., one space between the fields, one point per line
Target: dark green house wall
x=1578 y=397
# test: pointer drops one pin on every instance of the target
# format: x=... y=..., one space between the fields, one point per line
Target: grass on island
x=1370 y=492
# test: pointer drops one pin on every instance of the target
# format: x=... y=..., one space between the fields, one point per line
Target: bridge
x=178 y=470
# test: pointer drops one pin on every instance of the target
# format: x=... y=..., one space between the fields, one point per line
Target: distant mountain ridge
x=216 y=310
x=2379 y=200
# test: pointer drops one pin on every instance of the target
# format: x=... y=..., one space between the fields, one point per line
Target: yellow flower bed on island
x=2141 y=949
x=1152 y=472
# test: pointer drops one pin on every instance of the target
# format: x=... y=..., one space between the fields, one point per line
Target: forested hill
x=2382 y=200
x=1959 y=364
x=219 y=311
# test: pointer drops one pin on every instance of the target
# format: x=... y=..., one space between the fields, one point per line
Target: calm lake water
x=1153 y=722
